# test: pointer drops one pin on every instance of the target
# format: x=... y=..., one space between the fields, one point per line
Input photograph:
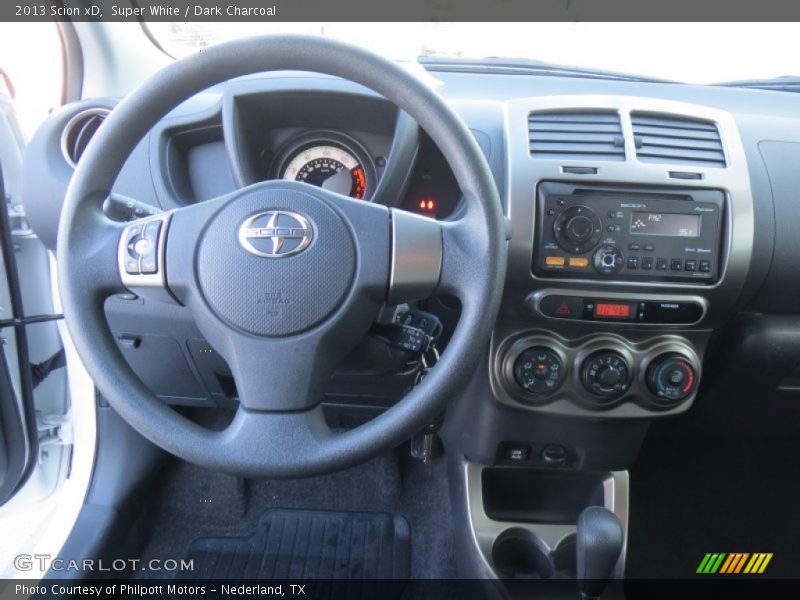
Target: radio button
x=634 y=247
x=661 y=264
x=690 y=265
x=633 y=262
x=705 y=266
x=676 y=264
x=554 y=261
x=579 y=262
x=577 y=229
x=608 y=260
x=647 y=263
x=613 y=228
x=649 y=248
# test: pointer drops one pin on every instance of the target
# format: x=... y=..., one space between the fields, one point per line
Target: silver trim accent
x=72 y=122
x=152 y=286
x=303 y=232
x=524 y=173
x=485 y=531
x=417 y=252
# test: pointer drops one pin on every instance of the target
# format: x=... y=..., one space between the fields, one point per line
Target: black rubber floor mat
x=308 y=544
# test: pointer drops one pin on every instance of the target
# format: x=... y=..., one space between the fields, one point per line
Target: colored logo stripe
x=735 y=562
x=710 y=563
x=758 y=563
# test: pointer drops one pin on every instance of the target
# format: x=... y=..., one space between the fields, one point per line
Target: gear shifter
x=598 y=545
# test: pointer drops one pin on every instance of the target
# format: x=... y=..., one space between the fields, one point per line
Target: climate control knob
x=538 y=370
x=606 y=374
x=671 y=377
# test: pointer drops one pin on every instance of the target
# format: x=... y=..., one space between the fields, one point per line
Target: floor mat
x=309 y=544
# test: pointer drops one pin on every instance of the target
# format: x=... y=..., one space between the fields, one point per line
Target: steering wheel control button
x=608 y=260
x=141 y=248
x=606 y=374
x=671 y=378
x=132 y=258
x=577 y=229
x=538 y=370
x=147 y=247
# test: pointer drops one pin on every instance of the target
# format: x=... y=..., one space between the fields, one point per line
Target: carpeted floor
x=191 y=502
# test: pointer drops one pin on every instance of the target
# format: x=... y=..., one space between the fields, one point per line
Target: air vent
x=78 y=131
x=576 y=135
x=677 y=140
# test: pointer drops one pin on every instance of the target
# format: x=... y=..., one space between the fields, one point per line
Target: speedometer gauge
x=329 y=164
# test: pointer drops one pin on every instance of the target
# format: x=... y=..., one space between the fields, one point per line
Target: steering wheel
x=282 y=278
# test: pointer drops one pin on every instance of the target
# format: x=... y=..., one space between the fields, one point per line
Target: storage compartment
x=540 y=496
x=162 y=367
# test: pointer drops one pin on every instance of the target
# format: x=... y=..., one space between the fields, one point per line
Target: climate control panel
x=598 y=373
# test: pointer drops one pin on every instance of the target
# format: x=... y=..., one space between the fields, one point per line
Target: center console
x=632 y=238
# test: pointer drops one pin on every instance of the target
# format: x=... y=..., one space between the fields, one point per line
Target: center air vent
x=576 y=135
x=677 y=140
x=78 y=131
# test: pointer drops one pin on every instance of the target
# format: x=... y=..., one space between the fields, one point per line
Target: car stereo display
x=666 y=224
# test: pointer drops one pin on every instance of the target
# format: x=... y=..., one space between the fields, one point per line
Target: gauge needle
x=340 y=183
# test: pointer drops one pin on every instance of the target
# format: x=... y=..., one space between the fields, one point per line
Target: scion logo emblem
x=275 y=234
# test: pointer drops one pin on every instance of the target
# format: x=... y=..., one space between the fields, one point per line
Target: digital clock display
x=667 y=224
x=608 y=310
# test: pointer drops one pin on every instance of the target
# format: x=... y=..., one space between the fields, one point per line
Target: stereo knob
x=578 y=229
x=538 y=370
x=671 y=377
x=608 y=260
x=606 y=374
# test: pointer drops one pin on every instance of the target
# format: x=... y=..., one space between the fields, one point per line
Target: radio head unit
x=641 y=235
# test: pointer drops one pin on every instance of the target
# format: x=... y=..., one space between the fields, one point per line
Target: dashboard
x=645 y=219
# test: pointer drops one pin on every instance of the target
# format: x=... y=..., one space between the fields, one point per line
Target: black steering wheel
x=282 y=278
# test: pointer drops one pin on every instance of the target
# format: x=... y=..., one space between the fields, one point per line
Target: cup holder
x=518 y=553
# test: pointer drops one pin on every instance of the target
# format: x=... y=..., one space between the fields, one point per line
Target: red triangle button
x=563 y=309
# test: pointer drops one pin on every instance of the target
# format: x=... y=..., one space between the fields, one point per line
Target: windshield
x=683 y=52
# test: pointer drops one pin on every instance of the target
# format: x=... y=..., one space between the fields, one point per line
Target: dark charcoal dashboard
x=648 y=220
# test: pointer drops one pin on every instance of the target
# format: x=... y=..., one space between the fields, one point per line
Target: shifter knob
x=598 y=544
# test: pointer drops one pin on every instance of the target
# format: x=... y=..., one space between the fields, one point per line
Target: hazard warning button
x=562 y=307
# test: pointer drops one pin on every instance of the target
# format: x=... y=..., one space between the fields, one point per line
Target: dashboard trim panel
x=524 y=173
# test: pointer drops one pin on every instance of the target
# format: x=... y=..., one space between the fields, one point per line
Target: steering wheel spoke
x=292 y=436
x=280 y=374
